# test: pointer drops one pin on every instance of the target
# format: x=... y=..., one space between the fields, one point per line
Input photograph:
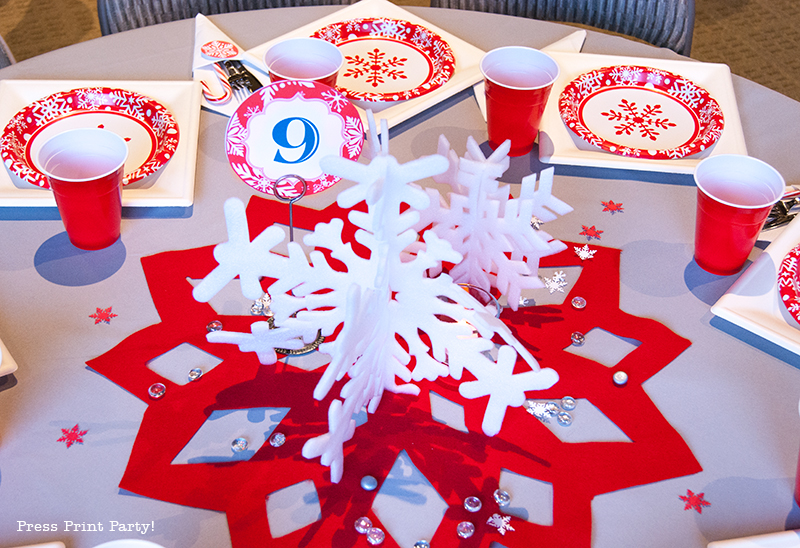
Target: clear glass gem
x=422 y=544
x=257 y=308
x=564 y=418
x=578 y=338
x=156 y=390
x=578 y=303
x=620 y=378
x=375 y=536
x=238 y=445
x=502 y=498
x=568 y=403
x=363 y=525
x=277 y=439
x=195 y=374
x=369 y=483
x=472 y=504
x=216 y=325
x=465 y=529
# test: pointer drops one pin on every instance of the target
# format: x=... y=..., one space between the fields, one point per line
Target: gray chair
x=663 y=23
x=6 y=57
x=120 y=15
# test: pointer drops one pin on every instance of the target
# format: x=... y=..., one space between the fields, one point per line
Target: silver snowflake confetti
x=536 y=222
x=540 y=411
x=557 y=283
x=584 y=252
x=501 y=522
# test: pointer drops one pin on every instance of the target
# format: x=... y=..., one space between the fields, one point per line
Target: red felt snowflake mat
x=457 y=464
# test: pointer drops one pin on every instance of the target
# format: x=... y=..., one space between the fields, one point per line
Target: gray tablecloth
x=732 y=396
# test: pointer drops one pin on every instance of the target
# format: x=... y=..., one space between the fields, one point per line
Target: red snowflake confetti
x=590 y=232
x=695 y=501
x=73 y=435
x=103 y=315
x=612 y=207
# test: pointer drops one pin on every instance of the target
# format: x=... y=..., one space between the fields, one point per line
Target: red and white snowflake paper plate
x=641 y=112
x=789 y=282
x=286 y=128
x=389 y=59
x=219 y=49
x=147 y=126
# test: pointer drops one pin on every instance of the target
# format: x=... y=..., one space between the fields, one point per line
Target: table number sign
x=286 y=128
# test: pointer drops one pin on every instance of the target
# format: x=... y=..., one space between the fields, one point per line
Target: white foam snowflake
x=373 y=302
x=495 y=233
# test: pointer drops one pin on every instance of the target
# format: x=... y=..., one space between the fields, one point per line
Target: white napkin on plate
x=206 y=32
x=571 y=43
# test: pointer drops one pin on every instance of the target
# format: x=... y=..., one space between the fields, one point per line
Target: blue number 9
x=280 y=133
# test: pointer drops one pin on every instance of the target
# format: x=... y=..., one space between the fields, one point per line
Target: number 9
x=280 y=134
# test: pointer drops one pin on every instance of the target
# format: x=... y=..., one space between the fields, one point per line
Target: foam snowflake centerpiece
x=387 y=310
x=493 y=232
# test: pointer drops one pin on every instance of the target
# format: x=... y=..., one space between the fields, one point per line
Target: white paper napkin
x=206 y=32
x=571 y=43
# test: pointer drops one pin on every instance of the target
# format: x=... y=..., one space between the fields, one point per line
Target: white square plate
x=558 y=145
x=468 y=57
x=753 y=302
x=174 y=186
x=7 y=363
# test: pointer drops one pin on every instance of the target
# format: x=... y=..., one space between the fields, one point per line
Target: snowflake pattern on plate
x=668 y=95
x=219 y=49
x=376 y=67
x=789 y=282
x=28 y=124
x=249 y=125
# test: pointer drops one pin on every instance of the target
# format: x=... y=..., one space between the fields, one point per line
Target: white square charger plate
x=468 y=57
x=558 y=145
x=7 y=363
x=174 y=186
x=753 y=302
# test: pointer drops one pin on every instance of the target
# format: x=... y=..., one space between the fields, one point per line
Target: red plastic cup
x=734 y=196
x=518 y=83
x=304 y=59
x=84 y=168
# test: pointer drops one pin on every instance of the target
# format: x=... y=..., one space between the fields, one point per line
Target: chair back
x=663 y=23
x=120 y=15
x=6 y=57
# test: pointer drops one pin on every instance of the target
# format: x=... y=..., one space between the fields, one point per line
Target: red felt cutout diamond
x=71 y=436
